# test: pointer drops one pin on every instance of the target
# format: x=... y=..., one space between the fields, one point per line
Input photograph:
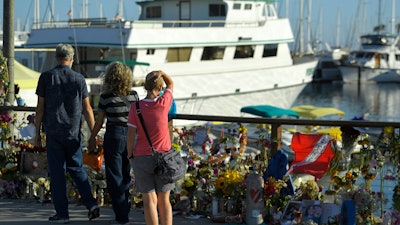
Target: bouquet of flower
x=5 y=120
x=365 y=200
x=309 y=190
x=346 y=181
x=229 y=184
x=272 y=194
x=189 y=185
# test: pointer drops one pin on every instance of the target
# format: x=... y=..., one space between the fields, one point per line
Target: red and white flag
x=117 y=17
x=313 y=154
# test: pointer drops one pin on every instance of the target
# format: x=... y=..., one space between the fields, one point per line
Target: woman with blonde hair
x=114 y=104
x=154 y=109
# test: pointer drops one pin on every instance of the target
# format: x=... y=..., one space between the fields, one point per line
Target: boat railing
x=100 y=23
x=276 y=123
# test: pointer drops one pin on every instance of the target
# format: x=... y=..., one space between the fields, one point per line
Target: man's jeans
x=64 y=154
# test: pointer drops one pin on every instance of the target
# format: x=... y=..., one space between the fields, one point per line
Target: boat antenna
x=119 y=18
x=70 y=15
x=121 y=36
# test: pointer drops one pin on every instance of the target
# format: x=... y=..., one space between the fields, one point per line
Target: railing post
x=276 y=136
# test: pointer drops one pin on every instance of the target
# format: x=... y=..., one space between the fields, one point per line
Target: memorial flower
x=5 y=121
x=309 y=190
x=365 y=200
x=272 y=194
x=4 y=82
x=229 y=184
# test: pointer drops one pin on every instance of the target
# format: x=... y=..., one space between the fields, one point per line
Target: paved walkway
x=31 y=212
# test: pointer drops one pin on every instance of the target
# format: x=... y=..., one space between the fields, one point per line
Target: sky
x=336 y=22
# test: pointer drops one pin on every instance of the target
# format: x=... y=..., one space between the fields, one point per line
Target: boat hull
x=352 y=74
x=230 y=105
x=225 y=93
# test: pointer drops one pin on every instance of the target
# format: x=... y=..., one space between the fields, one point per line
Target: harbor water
x=377 y=101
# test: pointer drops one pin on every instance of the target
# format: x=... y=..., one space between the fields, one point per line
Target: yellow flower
x=184 y=192
x=388 y=130
x=189 y=183
x=229 y=183
x=220 y=183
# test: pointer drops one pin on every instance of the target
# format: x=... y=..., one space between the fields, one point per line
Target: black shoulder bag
x=170 y=166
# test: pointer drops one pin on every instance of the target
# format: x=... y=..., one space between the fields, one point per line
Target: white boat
x=20 y=37
x=378 y=54
x=216 y=51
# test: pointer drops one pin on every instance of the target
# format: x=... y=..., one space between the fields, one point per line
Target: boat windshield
x=359 y=55
x=377 y=40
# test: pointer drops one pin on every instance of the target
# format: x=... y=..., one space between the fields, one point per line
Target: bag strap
x=144 y=126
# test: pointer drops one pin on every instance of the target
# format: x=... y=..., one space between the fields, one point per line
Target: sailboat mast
x=71 y=9
x=287 y=9
x=338 y=25
x=309 y=38
x=85 y=9
x=393 y=16
x=120 y=9
x=301 y=27
x=36 y=13
x=379 y=16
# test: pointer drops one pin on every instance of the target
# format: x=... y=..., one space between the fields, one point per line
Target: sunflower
x=220 y=184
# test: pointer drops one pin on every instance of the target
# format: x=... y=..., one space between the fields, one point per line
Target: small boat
x=222 y=54
x=375 y=59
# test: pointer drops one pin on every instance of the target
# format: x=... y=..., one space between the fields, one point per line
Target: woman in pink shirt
x=154 y=109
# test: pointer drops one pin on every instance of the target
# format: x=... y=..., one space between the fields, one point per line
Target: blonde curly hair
x=118 y=79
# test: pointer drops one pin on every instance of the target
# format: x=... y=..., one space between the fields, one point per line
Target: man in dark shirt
x=62 y=99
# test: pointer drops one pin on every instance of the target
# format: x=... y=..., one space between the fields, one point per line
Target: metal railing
x=276 y=123
x=87 y=23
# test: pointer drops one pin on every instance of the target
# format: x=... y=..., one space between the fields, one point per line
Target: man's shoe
x=94 y=212
x=57 y=219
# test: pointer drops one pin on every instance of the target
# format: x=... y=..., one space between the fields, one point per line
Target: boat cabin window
x=377 y=40
x=369 y=55
x=153 y=12
x=211 y=53
x=178 y=54
x=244 y=51
x=270 y=50
x=247 y=6
x=397 y=57
x=150 y=51
x=328 y=64
x=216 y=10
x=357 y=54
x=236 y=6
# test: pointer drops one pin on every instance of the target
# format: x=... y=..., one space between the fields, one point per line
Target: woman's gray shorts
x=145 y=179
